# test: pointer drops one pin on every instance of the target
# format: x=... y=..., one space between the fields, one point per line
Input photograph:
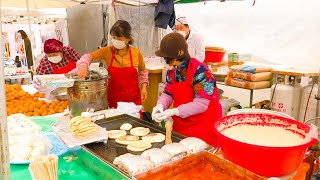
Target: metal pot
x=90 y=92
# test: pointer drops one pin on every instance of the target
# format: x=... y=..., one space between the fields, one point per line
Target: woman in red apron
x=129 y=76
x=192 y=90
x=59 y=59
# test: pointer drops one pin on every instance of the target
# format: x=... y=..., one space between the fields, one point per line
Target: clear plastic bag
x=194 y=144
x=175 y=149
x=157 y=156
x=20 y=124
x=134 y=164
x=25 y=147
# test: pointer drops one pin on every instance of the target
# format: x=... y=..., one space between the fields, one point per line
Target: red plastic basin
x=263 y=160
x=214 y=56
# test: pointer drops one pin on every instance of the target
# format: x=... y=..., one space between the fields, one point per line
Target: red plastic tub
x=214 y=54
x=263 y=160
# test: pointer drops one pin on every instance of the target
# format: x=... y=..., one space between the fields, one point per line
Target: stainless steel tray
x=108 y=152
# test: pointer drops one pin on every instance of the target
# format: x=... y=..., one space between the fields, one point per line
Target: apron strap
x=113 y=57
x=130 y=57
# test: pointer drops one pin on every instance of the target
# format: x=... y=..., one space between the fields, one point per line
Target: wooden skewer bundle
x=44 y=168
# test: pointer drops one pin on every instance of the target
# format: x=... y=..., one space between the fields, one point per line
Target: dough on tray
x=154 y=137
x=139 y=146
x=140 y=131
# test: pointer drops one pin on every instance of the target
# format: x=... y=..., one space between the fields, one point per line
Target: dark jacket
x=164 y=14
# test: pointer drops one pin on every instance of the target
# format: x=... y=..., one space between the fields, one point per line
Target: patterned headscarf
x=52 y=46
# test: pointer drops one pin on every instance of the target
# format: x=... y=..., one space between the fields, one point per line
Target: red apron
x=123 y=85
x=200 y=125
x=65 y=69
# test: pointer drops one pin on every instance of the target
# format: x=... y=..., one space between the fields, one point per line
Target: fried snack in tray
x=157 y=156
x=194 y=144
x=82 y=126
x=19 y=101
x=44 y=167
x=133 y=164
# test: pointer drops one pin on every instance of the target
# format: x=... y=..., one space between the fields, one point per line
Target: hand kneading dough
x=140 y=131
x=126 y=126
x=114 y=134
x=139 y=146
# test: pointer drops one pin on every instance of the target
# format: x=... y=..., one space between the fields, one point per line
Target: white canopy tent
x=280 y=32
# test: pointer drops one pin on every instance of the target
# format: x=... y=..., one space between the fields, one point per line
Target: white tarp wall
x=274 y=31
x=146 y=36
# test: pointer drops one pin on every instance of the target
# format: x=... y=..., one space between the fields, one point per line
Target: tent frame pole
x=4 y=145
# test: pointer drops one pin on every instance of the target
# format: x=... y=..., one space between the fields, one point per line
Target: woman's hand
x=83 y=71
x=144 y=93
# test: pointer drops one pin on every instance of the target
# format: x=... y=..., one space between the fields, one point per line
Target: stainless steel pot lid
x=92 y=76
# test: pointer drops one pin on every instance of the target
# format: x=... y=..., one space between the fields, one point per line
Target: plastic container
x=264 y=160
x=214 y=54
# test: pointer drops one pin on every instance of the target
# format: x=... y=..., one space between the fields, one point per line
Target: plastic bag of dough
x=120 y=158
x=21 y=124
x=176 y=149
x=157 y=156
x=134 y=164
x=25 y=147
x=194 y=144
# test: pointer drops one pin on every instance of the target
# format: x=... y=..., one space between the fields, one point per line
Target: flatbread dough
x=126 y=126
x=140 y=131
x=114 y=134
x=154 y=137
x=127 y=139
x=139 y=146
x=82 y=126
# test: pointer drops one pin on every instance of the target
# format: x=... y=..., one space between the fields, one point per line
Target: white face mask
x=55 y=59
x=118 y=44
x=183 y=33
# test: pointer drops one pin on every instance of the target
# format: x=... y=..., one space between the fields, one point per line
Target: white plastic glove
x=37 y=83
x=167 y=114
x=156 y=110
